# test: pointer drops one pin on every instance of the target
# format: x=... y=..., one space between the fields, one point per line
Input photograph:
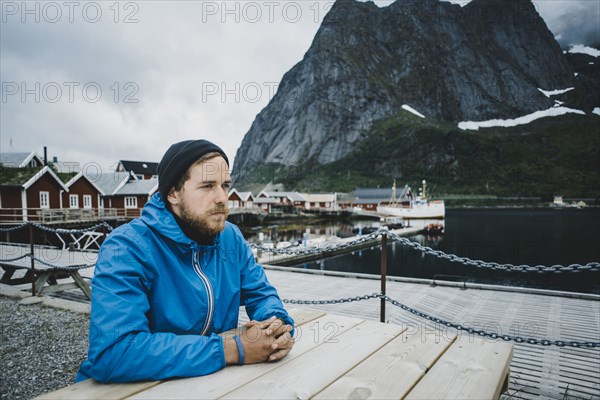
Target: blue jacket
x=159 y=299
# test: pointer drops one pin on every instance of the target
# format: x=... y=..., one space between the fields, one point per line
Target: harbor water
x=515 y=236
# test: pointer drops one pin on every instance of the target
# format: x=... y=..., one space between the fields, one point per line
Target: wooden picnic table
x=44 y=277
x=339 y=357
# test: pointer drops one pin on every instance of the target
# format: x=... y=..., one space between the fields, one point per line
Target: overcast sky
x=101 y=81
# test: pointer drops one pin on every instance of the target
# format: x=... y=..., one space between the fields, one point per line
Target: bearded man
x=168 y=282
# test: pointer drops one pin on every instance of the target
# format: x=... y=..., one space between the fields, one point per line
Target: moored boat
x=419 y=208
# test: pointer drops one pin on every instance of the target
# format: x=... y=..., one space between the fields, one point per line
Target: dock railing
x=384 y=298
x=103 y=226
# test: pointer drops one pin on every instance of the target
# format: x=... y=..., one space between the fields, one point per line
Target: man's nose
x=222 y=195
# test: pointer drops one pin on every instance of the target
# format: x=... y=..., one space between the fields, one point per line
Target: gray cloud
x=572 y=22
x=172 y=54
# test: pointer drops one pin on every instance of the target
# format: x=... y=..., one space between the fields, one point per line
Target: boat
x=558 y=203
x=419 y=208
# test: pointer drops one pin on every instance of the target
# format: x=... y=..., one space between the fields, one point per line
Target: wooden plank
x=41 y=281
x=316 y=369
x=8 y=273
x=472 y=368
x=61 y=287
x=393 y=371
x=83 y=285
x=309 y=336
x=90 y=389
x=302 y=316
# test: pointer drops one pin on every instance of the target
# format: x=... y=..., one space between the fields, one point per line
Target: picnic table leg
x=40 y=281
x=506 y=382
x=83 y=285
x=8 y=273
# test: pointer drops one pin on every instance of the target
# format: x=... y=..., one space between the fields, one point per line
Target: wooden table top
x=338 y=357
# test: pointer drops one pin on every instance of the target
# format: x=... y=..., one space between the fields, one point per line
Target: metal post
x=383 y=273
x=32 y=261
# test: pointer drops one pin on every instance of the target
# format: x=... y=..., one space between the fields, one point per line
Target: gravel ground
x=41 y=348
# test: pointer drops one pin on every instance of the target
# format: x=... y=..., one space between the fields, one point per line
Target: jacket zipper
x=209 y=290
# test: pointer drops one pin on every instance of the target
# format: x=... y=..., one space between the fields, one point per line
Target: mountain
x=483 y=61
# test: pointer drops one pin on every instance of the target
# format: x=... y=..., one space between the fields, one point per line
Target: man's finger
x=284 y=341
x=280 y=330
x=278 y=355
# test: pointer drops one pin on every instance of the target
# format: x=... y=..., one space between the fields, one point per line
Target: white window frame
x=131 y=202
x=73 y=201
x=101 y=204
x=87 y=201
x=44 y=199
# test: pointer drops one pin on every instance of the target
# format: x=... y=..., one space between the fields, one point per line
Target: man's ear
x=173 y=197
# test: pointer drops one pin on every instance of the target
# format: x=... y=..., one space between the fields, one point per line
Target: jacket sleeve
x=258 y=295
x=122 y=347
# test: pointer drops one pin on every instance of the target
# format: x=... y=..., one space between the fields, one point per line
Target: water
x=515 y=236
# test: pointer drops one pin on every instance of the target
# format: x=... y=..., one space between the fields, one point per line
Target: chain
x=61 y=267
x=16 y=258
x=54 y=267
x=338 y=301
x=57 y=230
x=470 y=330
x=333 y=247
x=45 y=228
x=14 y=228
x=591 y=266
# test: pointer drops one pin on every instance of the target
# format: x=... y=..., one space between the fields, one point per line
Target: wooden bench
x=338 y=357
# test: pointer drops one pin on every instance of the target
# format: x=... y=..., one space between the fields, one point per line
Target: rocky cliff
x=482 y=61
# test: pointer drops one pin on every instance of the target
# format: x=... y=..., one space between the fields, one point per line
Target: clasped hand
x=268 y=340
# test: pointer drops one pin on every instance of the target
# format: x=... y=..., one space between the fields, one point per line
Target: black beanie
x=178 y=159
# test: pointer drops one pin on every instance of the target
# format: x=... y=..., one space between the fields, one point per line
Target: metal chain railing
x=58 y=231
x=591 y=266
x=16 y=258
x=333 y=247
x=45 y=228
x=458 y=327
x=73 y=267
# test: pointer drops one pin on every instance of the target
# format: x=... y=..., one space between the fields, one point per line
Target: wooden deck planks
x=528 y=315
x=90 y=389
x=515 y=313
x=453 y=374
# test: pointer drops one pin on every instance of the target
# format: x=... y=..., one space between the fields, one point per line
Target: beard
x=205 y=224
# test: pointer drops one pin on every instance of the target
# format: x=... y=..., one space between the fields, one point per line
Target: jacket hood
x=158 y=217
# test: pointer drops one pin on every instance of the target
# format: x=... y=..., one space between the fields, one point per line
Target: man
x=166 y=283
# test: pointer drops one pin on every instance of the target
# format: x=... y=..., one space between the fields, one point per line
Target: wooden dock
x=537 y=372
